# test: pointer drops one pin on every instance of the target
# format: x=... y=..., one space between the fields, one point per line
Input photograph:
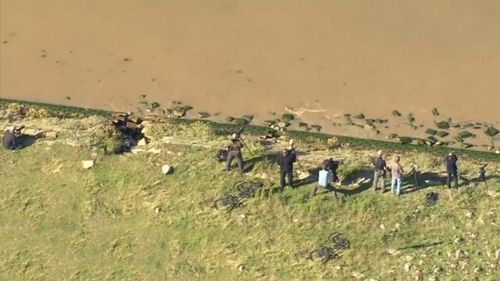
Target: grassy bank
x=124 y=220
x=224 y=129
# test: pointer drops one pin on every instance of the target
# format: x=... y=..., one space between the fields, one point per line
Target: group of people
x=328 y=177
x=397 y=172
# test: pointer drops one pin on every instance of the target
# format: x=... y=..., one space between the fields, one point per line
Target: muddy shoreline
x=320 y=60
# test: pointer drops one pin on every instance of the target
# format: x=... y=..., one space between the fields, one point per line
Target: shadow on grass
x=421 y=246
x=26 y=140
x=423 y=181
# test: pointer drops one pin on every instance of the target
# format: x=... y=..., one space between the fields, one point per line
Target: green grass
x=123 y=220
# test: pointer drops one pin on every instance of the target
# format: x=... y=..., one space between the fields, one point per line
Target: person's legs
x=393 y=183
x=290 y=178
x=282 y=178
x=239 y=158
x=332 y=189
x=448 y=179
x=230 y=156
x=382 y=179
x=375 y=180
x=313 y=190
x=398 y=191
x=455 y=177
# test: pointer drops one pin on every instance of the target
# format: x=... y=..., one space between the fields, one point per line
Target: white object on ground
x=166 y=169
x=87 y=164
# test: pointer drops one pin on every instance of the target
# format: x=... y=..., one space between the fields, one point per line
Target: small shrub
x=14 y=107
x=104 y=137
x=34 y=113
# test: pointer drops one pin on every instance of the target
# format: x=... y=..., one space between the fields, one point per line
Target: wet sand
x=240 y=57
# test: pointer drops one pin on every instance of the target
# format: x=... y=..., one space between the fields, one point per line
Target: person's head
x=380 y=153
x=234 y=136
x=285 y=151
x=397 y=158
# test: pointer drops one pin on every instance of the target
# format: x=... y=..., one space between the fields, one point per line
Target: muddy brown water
x=320 y=58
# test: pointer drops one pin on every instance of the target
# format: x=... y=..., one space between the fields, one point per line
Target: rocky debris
x=136 y=150
x=142 y=142
x=357 y=275
x=166 y=169
x=33 y=133
x=87 y=164
x=392 y=252
x=491 y=132
x=443 y=124
x=50 y=135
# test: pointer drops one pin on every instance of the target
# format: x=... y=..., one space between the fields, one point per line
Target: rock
x=166 y=169
x=443 y=124
x=491 y=132
x=154 y=150
x=392 y=252
x=442 y=134
x=357 y=275
x=465 y=134
x=33 y=133
x=137 y=150
x=430 y=131
x=203 y=114
x=435 y=112
x=407 y=266
x=87 y=164
x=50 y=135
x=142 y=142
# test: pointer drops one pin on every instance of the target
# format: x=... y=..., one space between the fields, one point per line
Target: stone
x=407 y=266
x=166 y=169
x=137 y=150
x=87 y=164
x=33 y=133
x=50 y=135
x=142 y=142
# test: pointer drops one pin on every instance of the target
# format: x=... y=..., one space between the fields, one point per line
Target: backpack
x=221 y=155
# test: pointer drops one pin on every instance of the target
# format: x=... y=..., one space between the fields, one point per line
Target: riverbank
x=396 y=143
x=124 y=219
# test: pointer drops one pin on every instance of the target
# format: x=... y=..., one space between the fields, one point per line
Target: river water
x=322 y=58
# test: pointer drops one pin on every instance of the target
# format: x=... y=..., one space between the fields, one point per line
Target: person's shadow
x=413 y=183
x=25 y=141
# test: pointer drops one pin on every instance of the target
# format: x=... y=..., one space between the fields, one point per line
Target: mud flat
x=323 y=61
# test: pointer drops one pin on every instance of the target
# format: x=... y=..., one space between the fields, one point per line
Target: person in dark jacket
x=380 y=168
x=234 y=152
x=10 y=140
x=451 y=169
x=286 y=161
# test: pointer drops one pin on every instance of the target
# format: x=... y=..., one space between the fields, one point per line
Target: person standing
x=397 y=174
x=286 y=160
x=451 y=169
x=380 y=168
x=234 y=152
